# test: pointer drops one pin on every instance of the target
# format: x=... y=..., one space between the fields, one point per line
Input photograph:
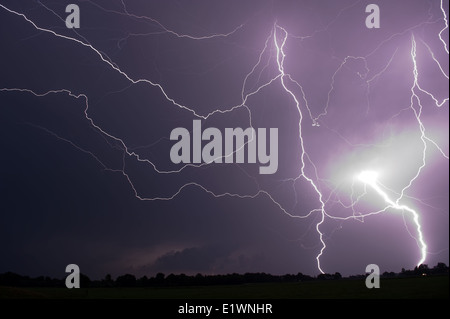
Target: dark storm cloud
x=195 y=259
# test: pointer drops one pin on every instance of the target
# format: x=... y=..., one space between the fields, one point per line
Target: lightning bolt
x=371 y=178
x=276 y=40
x=445 y=27
x=280 y=62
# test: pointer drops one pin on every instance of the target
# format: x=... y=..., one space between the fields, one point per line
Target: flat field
x=403 y=288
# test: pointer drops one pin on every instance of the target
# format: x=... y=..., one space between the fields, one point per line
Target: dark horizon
x=11 y=279
x=86 y=116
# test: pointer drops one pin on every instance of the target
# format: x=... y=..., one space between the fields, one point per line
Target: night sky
x=86 y=116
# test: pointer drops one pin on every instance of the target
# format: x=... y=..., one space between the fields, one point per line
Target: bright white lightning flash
x=370 y=178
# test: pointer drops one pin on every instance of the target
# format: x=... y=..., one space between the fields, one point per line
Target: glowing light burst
x=368 y=177
x=279 y=37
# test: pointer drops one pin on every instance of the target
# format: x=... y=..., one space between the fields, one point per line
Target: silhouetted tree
x=422 y=269
x=11 y=279
x=142 y=282
x=440 y=268
x=325 y=277
x=85 y=282
x=199 y=279
x=159 y=279
x=126 y=280
x=302 y=277
x=388 y=274
x=108 y=281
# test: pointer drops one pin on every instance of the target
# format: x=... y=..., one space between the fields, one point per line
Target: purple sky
x=86 y=115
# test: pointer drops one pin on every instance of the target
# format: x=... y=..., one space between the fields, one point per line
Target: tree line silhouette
x=161 y=280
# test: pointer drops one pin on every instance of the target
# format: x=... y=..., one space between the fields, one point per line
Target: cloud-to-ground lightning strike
x=275 y=41
x=371 y=178
x=280 y=62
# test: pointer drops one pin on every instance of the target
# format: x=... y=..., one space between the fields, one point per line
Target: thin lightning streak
x=280 y=61
x=445 y=28
x=116 y=68
x=344 y=61
x=325 y=111
x=254 y=67
x=416 y=79
x=123 y=73
x=166 y=198
x=435 y=60
x=417 y=115
x=328 y=26
x=79 y=148
x=178 y=35
x=162 y=27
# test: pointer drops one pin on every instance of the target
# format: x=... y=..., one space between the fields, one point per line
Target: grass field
x=421 y=287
